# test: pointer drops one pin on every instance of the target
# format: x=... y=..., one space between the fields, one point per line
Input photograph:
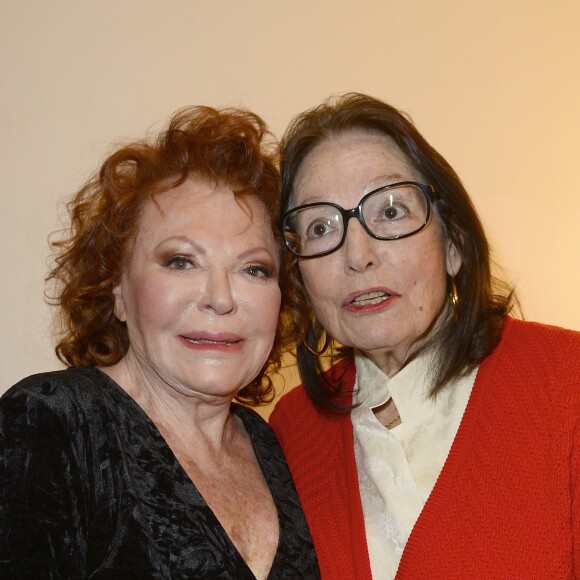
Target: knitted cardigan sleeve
x=575 y=485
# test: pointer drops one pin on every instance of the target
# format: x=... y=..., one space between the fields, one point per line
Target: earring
x=453 y=295
x=322 y=350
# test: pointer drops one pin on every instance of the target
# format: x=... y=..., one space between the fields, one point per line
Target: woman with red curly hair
x=135 y=462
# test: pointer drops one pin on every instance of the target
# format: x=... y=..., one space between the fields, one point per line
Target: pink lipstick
x=215 y=341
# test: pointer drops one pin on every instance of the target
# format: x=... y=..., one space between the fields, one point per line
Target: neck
x=202 y=417
x=392 y=360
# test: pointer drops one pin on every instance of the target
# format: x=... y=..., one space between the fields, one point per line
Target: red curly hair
x=228 y=146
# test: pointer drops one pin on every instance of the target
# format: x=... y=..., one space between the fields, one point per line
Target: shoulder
x=253 y=421
x=536 y=362
x=56 y=393
x=530 y=330
x=296 y=417
x=62 y=383
x=297 y=399
x=539 y=345
x=294 y=414
x=49 y=382
x=266 y=445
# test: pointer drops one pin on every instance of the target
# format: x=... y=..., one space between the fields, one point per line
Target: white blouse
x=398 y=468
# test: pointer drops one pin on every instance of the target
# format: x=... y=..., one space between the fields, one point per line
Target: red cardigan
x=507 y=502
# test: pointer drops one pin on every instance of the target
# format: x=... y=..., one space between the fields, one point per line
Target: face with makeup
x=200 y=292
x=381 y=297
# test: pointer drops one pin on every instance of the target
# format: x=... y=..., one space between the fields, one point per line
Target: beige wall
x=494 y=85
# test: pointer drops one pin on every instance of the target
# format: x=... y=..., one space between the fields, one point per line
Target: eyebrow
x=383 y=180
x=374 y=183
x=257 y=250
x=184 y=239
x=198 y=248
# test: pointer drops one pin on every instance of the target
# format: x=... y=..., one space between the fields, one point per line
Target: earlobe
x=120 y=312
x=453 y=259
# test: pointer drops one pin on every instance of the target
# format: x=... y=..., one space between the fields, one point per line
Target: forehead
x=197 y=208
x=351 y=164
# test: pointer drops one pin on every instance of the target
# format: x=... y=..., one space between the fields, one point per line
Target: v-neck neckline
x=442 y=489
x=243 y=414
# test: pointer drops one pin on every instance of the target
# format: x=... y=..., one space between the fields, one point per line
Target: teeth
x=371 y=298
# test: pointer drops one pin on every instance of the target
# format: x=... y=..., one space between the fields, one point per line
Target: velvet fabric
x=90 y=489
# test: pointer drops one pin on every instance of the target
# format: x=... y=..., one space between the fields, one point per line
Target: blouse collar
x=409 y=388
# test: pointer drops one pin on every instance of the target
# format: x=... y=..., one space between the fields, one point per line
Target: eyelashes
x=259 y=271
x=181 y=262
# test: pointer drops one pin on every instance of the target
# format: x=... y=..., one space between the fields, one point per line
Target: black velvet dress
x=90 y=489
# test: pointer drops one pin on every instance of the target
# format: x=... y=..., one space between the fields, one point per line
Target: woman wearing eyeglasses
x=444 y=441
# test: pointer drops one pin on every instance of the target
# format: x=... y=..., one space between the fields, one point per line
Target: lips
x=369 y=300
x=212 y=340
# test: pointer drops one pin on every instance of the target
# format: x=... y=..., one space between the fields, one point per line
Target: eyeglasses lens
x=387 y=214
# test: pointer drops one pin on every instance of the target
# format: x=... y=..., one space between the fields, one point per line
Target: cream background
x=495 y=86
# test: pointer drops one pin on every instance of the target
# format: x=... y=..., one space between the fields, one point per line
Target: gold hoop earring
x=322 y=350
x=453 y=294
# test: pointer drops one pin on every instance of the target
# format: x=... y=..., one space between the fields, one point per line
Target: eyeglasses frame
x=427 y=190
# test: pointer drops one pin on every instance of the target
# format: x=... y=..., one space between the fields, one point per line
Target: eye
x=179 y=262
x=319 y=228
x=393 y=212
x=258 y=271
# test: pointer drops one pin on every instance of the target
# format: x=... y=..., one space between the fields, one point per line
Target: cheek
x=319 y=277
x=320 y=285
x=261 y=306
x=153 y=300
x=428 y=285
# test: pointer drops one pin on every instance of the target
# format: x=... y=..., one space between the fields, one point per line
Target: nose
x=359 y=248
x=217 y=296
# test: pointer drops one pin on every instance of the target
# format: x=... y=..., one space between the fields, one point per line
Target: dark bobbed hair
x=229 y=147
x=472 y=328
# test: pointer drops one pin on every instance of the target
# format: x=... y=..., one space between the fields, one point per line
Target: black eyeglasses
x=390 y=212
